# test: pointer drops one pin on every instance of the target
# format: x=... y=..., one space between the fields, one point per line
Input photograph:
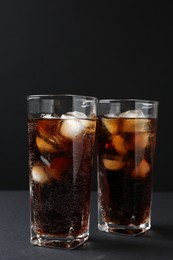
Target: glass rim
x=111 y=100
x=37 y=96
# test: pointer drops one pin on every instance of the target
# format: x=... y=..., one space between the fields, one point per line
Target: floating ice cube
x=44 y=146
x=113 y=165
x=76 y=114
x=111 y=124
x=111 y=115
x=119 y=144
x=141 y=140
x=38 y=174
x=67 y=116
x=142 y=169
x=135 y=125
x=71 y=127
x=49 y=116
x=89 y=125
x=48 y=129
x=80 y=116
x=132 y=114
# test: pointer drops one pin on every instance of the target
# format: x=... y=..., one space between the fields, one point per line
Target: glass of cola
x=61 y=136
x=126 y=147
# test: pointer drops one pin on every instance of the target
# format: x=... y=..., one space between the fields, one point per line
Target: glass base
x=69 y=242
x=125 y=230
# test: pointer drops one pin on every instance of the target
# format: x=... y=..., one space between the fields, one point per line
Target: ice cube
x=71 y=127
x=88 y=124
x=111 y=115
x=39 y=174
x=142 y=169
x=82 y=117
x=141 y=140
x=132 y=114
x=111 y=124
x=135 y=125
x=113 y=164
x=76 y=114
x=44 y=146
x=49 y=116
x=48 y=129
x=120 y=144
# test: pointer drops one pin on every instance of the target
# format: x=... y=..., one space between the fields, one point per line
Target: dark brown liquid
x=60 y=177
x=125 y=169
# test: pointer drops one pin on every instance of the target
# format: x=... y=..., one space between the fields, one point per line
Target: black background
x=107 y=49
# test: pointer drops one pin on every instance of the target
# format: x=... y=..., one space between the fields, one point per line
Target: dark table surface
x=155 y=244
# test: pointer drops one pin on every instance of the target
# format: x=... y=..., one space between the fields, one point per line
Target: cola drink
x=126 y=149
x=60 y=163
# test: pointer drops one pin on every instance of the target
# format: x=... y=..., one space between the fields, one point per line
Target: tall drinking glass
x=61 y=132
x=126 y=148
